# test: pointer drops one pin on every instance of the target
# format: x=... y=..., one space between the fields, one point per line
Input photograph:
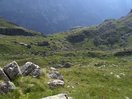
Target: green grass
x=89 y=77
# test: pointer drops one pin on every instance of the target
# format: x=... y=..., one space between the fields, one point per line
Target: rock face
x=12 y=70
x=55 y=75
x=56 y=83
x=5 y=87
x=31 y=69
x=3 y=75
x=59 y=96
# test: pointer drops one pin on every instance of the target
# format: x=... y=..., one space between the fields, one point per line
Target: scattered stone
x=111 y=73
x=59 y=96
x=23 y=44
x=67 y=65
x=44 y=43
x=64 y=65
x=56 y=83
x=53 y=69
x=12 y=70
x=122 y=74
x=58 y=66
x=55 y=75
x=127 y=97
x=3 y=75
x=5 y=87
x=117 y=76
x=31 y=69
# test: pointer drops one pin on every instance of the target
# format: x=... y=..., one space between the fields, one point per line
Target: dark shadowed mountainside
x=49 y=16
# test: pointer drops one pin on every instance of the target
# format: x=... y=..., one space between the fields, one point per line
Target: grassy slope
x=111 y=34
x=9 y=25
x=92 y=76
x=89 y=78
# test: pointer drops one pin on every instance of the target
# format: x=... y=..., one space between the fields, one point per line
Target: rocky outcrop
x=5 y=87
x=12 y=70
x=31 y=69
x=3 y=75
x=59 y=96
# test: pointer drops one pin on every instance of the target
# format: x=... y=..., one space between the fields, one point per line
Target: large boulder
x=56 y=83
x=3 y=76
x=6 y=87
x=31 y=69
x=12 y=70
x=59 y=96
x=36 y=73
x=55 y=75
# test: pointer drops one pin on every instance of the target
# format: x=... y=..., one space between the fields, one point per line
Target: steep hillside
x=108 y=35
x=9 y=28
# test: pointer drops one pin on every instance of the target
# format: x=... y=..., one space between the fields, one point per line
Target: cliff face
x=53 y=16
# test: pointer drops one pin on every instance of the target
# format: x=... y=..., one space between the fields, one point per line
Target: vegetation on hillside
x=9 y=28
x=94 y=73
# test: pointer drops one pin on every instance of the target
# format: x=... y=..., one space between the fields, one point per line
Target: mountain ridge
x=50 y=16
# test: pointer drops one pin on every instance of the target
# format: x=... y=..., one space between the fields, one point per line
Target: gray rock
x=55 y=75
x=56 y=83
x=36 y=73
x=5 y=87
x=59 y=96
x=12 y=70
x=31 y=69
x=3 y=76
x=53 y=69
x=67 y=65
x=44 y=43
x=24 y=44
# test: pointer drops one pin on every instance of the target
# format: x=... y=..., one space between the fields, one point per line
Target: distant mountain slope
x=108 y=35
x=51 y=16
x=9 y=28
